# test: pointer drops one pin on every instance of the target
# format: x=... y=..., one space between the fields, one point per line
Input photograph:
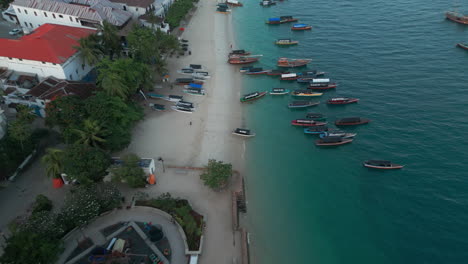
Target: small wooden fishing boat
x=155 y=96
x=307 y=122
x=201 y=75
x=173 y=98
x=316 y=116
x=186 y=71
x=193 y=91
x=185 y=104
x=337 y=134
x=193 y=86
x=308 y=76
x=256 y=71
x=196 y=66
x=332 y=141
x=299 y=27
x=305 y=93
x=289 y=77
x=342 y=100
x=223 y=10
x=315 y=130
x=279 y=91
x=252 y=96
x=245 y=69
x=381 y=164
x=302 y=104
x=183 y=81
x=240 y=52
x=351 y=121
x=233 y=3
x=243 y=132
x=457 y=17
x=281 y=20
x=286 y=42
x=158 y=107
x=234 y=59
x=267 y=3
x=463 y=45
x=322 y=84
x=277 y=72
x=291 y=63
x=182 y=109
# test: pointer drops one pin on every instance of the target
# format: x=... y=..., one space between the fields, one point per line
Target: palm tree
x=53 y=162
x=91 y=134
x=113 y=85
x=110 y=39
x=89 y=49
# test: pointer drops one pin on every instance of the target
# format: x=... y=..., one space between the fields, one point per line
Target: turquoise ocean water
x=311 y=205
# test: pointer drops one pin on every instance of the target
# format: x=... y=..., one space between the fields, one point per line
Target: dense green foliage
x=177 y=12
x=41 y=204
x=85 y=164
x=130 y=172
x=90 y=134
x=180 y=209
x=216 y=174
x=53 y=162
x=123 y=77
x=113 y=115
x=25 y=247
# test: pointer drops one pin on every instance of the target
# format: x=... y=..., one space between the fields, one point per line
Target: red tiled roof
x=52 y=88
x=48 y=43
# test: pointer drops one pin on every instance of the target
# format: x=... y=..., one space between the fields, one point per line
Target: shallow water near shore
x=316 y=205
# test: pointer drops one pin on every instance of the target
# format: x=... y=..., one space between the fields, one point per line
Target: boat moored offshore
x=305 y=93
x=463 y=45
x=289 y=77
x=279 y=91
x=457 y=17
x=286 y=42
x=243 y=132
x=332 y=141
x=337 y=134
x=299 y=27
x=281 y=20
x=322 y=84
x=342 y=100
x=252 y=96
x=233 y=3
x=307 y=122
x=381 y=164
x=256 y=71
x=235 y=59
x=267 y=3
x=351 y=121
x=291 y=63
x=302 y=104
x=316 y=116
x=315 y=130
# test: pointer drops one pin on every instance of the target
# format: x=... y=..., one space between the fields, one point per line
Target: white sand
x=169 y=135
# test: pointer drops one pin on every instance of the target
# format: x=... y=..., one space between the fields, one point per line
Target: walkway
x=136 y=214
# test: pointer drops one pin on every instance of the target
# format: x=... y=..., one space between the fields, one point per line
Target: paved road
x=5 y=27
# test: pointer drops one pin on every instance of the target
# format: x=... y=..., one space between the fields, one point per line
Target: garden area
x=190 y=221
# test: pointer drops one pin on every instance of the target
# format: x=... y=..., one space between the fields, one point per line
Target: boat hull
x=458 y=19
x=301 y=28
x=333 y=86
x=463 y=46
x=243 y=135
x=246 y=61
x=280 y=93
x=362 y=122
x=323 y=144
x=393 y=167
x=302 y=106
x=295 y=123
x=307 y=95
x=256 y=73
x=262 y=94
x=351 y=101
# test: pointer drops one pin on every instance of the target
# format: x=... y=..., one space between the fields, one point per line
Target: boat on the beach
x=351 y=121
x=289 y=77
x=299 y=27
x=277 y=72
x=193 y=86
x=463 y=45
x=307 y=122
x=196 y=66
x=194 y=91
x=337 y=134
x=223 y=8
x=381 y=164
x=332 y=141
x=183 y=81
x=316 y=116
x=233 y=3
x=185 y=104
x=315 y=130
x=173 y=98
x=256 y=71
x=155 y=96
x=243 y=59
x=252 y=96
x=240 y=52
x=267 y=3
x=201 y=75
x=302 y=104
x=322 y=84
x=182 y=109
x=186 y=71
x=305 y=93
x=157 y=107
x=291 y=63
x=279 y=91
x=286 y=42
x=281 y=20
x=243 y=132
x=342 y=100
x=457 y=17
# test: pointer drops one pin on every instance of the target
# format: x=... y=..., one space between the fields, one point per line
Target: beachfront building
x=48 y=51
x=31 y=14
x=136 y=7
x=48 y=90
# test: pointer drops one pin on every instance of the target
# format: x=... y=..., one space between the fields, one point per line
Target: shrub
x=85 y=164
x=42 y=203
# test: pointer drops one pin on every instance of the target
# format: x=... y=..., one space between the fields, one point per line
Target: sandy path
x=170 y=135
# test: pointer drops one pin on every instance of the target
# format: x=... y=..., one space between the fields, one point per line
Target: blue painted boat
x=195 y=85
x=337 y=133
x=155 y=96
x=315 y=130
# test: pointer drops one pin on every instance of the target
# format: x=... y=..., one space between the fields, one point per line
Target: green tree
x=20 y=131
x=216 y=174
x=85 y=164
x=110 y=39
x=90 y=50
x=66 y=113
x=129 y=172
x=53 y=162
x=24 y=247
x=91 y=134
x=177 y=12
x=143 y=45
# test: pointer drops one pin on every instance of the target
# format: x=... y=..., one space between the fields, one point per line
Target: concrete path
x=136 y=214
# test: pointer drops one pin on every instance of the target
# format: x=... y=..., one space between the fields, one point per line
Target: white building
x=75 y=13
x=48 y=51
x=136 y=7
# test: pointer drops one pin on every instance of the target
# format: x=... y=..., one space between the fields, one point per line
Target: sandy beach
x=191 y=139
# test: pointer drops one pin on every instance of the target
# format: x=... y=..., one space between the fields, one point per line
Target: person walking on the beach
x=190 y=123
x=231 y=46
